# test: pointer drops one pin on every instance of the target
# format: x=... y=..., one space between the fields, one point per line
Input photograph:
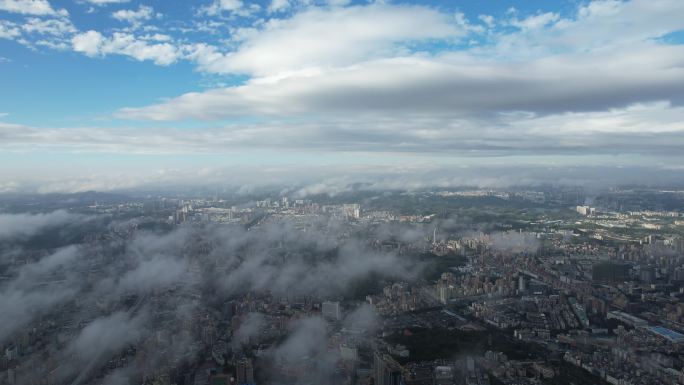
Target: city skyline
x=533 y=286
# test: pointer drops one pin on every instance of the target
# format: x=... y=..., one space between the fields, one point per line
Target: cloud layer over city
x=135 y=287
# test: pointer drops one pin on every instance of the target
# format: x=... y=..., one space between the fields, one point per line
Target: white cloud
x=278 y=5
x=596 y=26
x=324 y=37
x=92 y=43
x=56 y=27
x=106 y=2
x=487 y=19
x=127 y=44
x=88 y=42
x=30 y=7
x=345 y=61
x=465 y=25
x=52 y=33
x=26 y=225
x=637 y=119
x=219 y=6
x=22 y=300
x=536 y=21
x=317 y=177
x=134 y=17
x=451 y=86
x=157 y=37
x=654 y=128
x=105 y=336
x=9 y=30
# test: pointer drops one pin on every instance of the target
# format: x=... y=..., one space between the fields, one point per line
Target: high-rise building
x=244 y=372
x=443 y=375
x=331 y=310
x=610 y=272
x=586 y=210
x=11 y=376
x=386 y=370
x=521 y=283
x=647 y=274
x=679 y=274
x=445 y=287
x=678 y=244
x=352 y=210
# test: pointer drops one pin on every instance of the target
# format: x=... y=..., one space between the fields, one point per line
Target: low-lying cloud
x=26 y=225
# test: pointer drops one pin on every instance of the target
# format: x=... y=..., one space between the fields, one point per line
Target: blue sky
x=95 y=88
x=69 y=88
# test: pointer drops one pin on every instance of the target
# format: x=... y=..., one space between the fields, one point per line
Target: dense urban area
x=527 y=285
